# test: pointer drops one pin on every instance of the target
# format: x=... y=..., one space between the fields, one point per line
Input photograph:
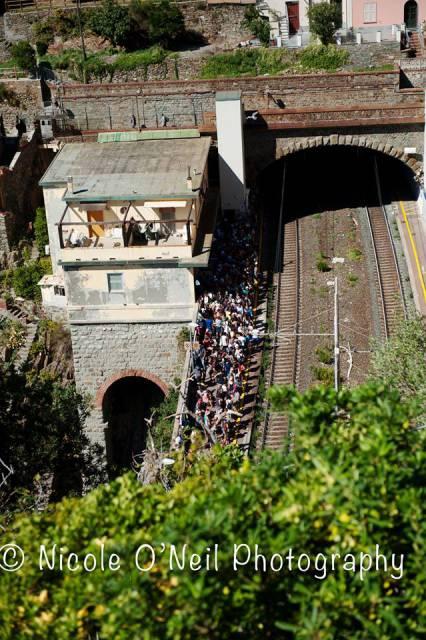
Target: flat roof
x=142 y=170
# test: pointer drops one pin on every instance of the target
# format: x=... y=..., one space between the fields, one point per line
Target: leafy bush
x=112 y=22
x=247 y=62
x=40 y=230
x=400 y=362
x=24 y=56
x=42 y=432
x=158 y=21
x=356 y=479
x=324 y=19
x=322 y=374
x=259 y=26
x=324 y=354
x=321 y=57
x=139 y=59
x=26 y=277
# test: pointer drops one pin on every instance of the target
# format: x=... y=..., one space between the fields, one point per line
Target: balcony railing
x=126 y=233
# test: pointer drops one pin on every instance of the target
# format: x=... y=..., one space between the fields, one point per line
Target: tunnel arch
x=129 y=373
x=127 y=400
x=361 y=142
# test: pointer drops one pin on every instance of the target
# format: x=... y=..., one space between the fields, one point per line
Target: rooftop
x=142 y=170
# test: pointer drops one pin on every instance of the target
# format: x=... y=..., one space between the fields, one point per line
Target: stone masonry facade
x=103 y=352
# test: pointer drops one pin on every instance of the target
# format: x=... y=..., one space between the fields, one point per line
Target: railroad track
x=284 y=365
x=392 y=307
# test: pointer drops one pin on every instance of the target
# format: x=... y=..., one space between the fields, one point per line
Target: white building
x=128 y=223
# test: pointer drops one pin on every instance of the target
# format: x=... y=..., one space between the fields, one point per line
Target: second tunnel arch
x=261 y=156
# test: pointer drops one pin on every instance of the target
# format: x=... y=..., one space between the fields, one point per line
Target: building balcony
x=128 y=240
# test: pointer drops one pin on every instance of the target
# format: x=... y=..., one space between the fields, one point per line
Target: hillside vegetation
x=356 y=479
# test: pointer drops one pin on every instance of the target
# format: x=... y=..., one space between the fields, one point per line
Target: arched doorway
x=126 y=404
x=411 y=14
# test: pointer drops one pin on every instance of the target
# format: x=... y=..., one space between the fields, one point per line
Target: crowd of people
x=226 y=331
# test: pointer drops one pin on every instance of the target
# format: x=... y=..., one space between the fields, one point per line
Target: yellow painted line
x=413 y=245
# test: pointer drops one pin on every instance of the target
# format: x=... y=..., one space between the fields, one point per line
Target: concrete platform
x=412 y=228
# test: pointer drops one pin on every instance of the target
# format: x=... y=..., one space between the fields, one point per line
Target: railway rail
x=391 y=297
x=285 y=344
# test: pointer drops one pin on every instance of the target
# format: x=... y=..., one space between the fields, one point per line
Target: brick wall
x=413 y=72
x=108 y=106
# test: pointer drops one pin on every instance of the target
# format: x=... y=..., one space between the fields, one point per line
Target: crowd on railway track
x=226 y=332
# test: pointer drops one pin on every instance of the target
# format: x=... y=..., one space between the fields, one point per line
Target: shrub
x=324 y=354
x=258 y=25
x=112 y=22
x=322 y=263
x=247 y=62
x=26 y=277
x=321 y=57
x=24 y=56
x=325 y=375
x=356 y=478
x=158 y=21
x=40 y=230
x=324 y=19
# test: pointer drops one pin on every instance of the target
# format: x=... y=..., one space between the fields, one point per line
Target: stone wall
x=216 y=23
x=103 y=351
x=4 y=240
x=413 y=72
x=19 y=190
x=27 y=102
x=18 y=26
x=373 y=54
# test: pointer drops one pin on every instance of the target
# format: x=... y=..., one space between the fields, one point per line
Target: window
x=59 y=291
x=115 y=282
x=370 y=12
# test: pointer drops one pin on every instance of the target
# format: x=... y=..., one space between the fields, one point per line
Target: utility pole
x=83 y=46
x=336 y=337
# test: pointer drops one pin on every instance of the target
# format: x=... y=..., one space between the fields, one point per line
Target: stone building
x=128 y=223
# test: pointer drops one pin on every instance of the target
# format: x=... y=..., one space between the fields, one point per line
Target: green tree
x=259 y=26
x=42 y=433
x=355 y=479
x=25 y=279
x=40 y=229
x=159 y=22
x=324 y=20
x=112 y=22
x=24 y=56
x=400 y=362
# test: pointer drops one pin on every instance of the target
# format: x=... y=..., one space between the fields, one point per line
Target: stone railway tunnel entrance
x=127 y=401
x=328 y=191
x=333 y=178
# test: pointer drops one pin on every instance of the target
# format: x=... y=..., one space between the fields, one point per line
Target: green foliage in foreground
x=260 y=61
x=356 y=479
x=401 y=363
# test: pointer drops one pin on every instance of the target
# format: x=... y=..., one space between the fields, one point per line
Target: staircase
x=415 y=44
x=17 y=314
x=278 y=21
x=24 y=351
